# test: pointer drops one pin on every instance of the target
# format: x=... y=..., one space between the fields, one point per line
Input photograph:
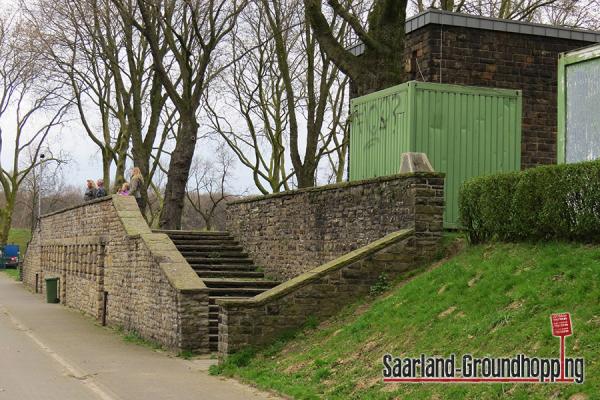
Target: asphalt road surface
x=50 y=352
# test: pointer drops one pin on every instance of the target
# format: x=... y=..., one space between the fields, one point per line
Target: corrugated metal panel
x=379 y=133
x=465 y=132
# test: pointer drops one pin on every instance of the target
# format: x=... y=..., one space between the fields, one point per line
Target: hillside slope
x=489 y=300
x=20 y=237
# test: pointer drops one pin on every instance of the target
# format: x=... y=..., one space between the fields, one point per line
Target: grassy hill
x=20 y=237
x=489 y=300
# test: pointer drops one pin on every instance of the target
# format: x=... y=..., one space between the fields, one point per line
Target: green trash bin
x=52 y=290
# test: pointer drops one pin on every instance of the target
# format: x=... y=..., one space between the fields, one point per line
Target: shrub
x=549 y=202
x=381 y=285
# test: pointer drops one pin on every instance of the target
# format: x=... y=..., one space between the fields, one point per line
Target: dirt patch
x=515 y=305
x=449 y=311
x=292 y=369
x=595 y=321
x=363 y=308
x=367 y=383
x=474 y=280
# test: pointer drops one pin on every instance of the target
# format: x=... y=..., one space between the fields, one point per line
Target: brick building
x=469 y=50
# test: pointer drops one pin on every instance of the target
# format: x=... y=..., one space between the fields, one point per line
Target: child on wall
x=124 y=191
x=90 y=192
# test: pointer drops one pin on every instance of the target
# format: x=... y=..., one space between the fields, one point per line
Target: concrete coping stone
x=341 y=185
x=179 y=273
x=82 y=204
x=320 y=271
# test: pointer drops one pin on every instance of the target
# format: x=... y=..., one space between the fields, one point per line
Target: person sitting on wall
x=137 y=183
x=124 y=191
x=90 y=193
x=100 y=191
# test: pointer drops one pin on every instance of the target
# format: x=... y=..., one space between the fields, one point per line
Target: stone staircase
x=224 y=267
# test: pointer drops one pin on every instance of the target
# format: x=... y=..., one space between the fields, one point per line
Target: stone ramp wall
x=106 y=246
x=320 y=292
x=289 y=233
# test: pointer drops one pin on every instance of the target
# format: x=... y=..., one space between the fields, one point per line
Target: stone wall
x=79 y=265
x=290 y=233
x=478 y=57
x=106 y=246
x=319 y=293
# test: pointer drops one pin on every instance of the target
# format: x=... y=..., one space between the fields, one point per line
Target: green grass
x=20 y=237
x=489 y=300
x=186 y=354
x=11 y=272
x=137 y=339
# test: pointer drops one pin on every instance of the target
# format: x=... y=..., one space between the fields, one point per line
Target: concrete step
x=204 y=242
x=229 y=274
x=213 y=254
x=237 y=283
x=209 y=247
x=190 y=232
x=235 y=291
x=221 y=260
x=223 y=267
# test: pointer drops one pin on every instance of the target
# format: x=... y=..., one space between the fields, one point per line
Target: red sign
x=561 y=325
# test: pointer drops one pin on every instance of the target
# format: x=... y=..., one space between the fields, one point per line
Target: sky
x=84 y=158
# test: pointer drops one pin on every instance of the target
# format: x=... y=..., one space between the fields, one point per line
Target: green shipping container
x=465 y=131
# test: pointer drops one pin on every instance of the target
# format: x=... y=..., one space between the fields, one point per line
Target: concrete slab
x=48 y=351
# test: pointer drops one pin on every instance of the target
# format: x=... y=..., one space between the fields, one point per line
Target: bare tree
x=573 y=13
x=109 y=67
x=66 y=34
x=29 y=112
x=208 y=188
x=287 y=92
x=382 y=32
x=191 y=32
x=48 y=181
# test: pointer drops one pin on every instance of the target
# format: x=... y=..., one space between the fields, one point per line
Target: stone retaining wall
x=106 y=246
x=290 y=233
x=319 y=293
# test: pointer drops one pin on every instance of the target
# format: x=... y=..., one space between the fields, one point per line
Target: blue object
x=10 y=256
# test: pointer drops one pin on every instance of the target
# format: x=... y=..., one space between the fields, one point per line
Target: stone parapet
x=104 y=251
x=289 y=233
x=318 y=293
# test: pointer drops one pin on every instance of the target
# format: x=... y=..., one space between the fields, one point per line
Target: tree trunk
x=179 y=170
x=119 y=174
x=306 y=175
x=6 y=219
x=106 y=161
x=381 y=64
x=141 y=159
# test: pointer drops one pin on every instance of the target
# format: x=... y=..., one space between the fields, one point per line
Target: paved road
x=50 y=352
